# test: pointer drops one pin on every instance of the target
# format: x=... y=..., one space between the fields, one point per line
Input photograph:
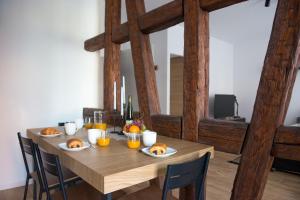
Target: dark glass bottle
x=129 y=113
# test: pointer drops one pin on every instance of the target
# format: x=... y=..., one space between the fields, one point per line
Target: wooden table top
x=116 y=167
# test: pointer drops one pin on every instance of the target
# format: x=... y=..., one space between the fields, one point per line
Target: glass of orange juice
x=134 y=140
x=104 y=139
x=99 y=122
x=88 y=122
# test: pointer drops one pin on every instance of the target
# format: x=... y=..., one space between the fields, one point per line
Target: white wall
x=45 y=74
x=220 y=62
x=170 y=42
x=250 y=45
x=248 y=62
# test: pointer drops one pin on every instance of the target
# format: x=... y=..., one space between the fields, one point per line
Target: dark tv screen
x=224 y=105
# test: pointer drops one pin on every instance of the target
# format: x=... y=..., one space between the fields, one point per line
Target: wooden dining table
x=116 y=167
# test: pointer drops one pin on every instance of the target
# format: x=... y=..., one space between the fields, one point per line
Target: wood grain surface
x=155 y=20
x=143 y=63
x=116 y=167
x=195 y=73
x=226 y=136
x=111 y=55
x=167 y=125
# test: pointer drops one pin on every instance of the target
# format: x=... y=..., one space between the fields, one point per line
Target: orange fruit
x=134 y=129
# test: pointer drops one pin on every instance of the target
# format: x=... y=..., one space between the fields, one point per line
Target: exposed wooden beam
x=195 y=75
x=157 y=19
x=277 y=80
x=111 y=54
x=143 y=62
x=96 y=43
x=227 y=136
x=120 y=34
x=167 y=125
x=161 y=18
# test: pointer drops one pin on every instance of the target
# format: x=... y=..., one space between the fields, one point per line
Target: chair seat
x=150 y=193
x=53 y=180
x=83 y=191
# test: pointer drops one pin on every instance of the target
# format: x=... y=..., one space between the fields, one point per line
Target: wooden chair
x=50 y=163
x=178 y=176
x=27 y=147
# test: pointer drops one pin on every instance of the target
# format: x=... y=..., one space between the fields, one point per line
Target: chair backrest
x=50 y=163
x=27 y=147
x=189 y=173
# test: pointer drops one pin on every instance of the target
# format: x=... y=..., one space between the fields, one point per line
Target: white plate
x=170 y=151
x=64 y=146
x=50 y=136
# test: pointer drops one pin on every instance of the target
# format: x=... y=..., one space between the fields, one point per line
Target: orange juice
x=133 y=144
x=103 y=142
x=101 y=126
x=88 y=125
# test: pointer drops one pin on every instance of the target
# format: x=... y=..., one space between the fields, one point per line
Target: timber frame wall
x=259 y=141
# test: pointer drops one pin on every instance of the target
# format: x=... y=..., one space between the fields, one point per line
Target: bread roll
x=74 y=143
x=158 y=149
x=50 y=131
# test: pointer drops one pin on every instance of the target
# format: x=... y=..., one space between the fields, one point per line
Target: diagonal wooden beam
x=143 y=62
x=157 y=19
x=277 y=81
x=111 y=54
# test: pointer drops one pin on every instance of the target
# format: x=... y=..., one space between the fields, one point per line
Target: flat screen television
x=224 y=105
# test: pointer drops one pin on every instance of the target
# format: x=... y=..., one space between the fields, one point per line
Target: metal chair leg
x=34 y=190
x=26 y=188
x=40 y=194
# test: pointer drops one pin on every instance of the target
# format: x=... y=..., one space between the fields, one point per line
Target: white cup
x=79 y=123
x=93 y=135
x=70 y=128
x=149 y=138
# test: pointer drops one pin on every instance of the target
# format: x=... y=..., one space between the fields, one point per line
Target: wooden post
x=273 y=96
x=143 y=62
x=111 y=54
x=195 y=74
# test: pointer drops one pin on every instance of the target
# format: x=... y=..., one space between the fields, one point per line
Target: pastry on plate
x=74 y=143
x=50 y=131
x=158 y=149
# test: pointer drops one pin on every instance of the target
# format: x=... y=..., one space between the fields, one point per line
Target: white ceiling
x=243 y=21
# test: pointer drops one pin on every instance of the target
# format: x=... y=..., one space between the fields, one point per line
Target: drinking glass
x=99 y=122
x=93 y=135
x=133 y=140
x=88 y=122
x=103 y=139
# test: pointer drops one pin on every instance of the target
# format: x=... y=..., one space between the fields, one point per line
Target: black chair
x=27 y=147
x=50 y=163
x=178 y=176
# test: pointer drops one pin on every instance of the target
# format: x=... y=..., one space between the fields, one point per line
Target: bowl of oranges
x=137 y=126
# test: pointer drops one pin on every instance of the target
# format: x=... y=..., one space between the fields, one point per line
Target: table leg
x=108 y=196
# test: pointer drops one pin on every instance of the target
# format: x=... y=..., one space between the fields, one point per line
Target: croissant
x=49 y=131
x=74 y=143
x=158 y=149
